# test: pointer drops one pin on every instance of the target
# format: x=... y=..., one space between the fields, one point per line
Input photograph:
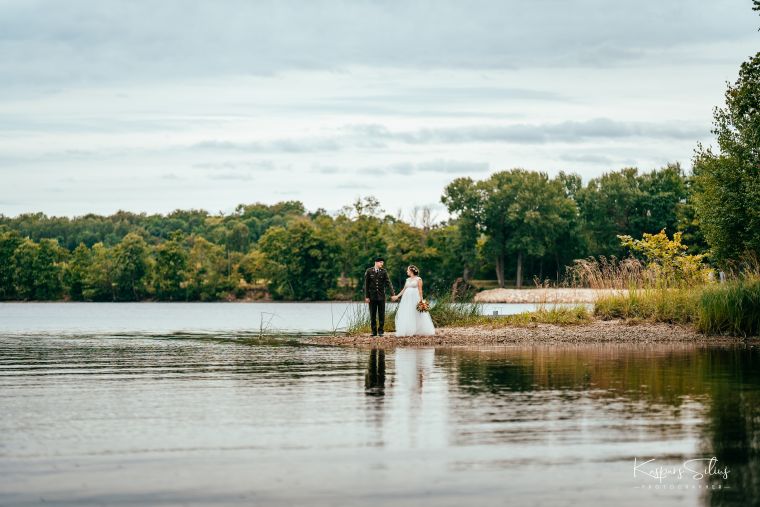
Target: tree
x=49 y=270
x=538 y=215
x=408 y=245
x=663 y=195
x=302 y=261
x=100 y=280
x=463 y=199
x=131 y=263
x=170 y=267
x=626 y=202
x=727 y=201
x=75 y=272
x=206 y=268
x=38 y=269
x=610 y=205
x=9 y=241
x=523 y=214
x=238 y=237
x=254 y=266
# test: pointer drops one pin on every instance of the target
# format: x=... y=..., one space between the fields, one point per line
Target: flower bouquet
x=423 y=306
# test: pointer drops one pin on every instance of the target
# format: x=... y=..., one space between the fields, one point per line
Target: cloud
x=50 y=46
x=377 y=136
x=567 y=131
x=243 y=170
x=437 y=166
x=408 y=168
x=353 y=186
x=588 y=158
x=256 y=165
x=305 y=145
x=229 y=175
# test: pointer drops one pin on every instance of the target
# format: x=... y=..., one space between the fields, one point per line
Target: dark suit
x=375 y=283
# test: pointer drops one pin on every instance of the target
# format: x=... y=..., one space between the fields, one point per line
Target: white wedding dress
x=409 y=321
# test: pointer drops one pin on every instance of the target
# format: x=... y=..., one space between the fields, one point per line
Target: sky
x=151 y=106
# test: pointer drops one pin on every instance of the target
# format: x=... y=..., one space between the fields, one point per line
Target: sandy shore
x=563 y=295
x=595 y=332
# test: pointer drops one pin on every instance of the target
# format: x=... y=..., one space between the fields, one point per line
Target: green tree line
x=191 y=255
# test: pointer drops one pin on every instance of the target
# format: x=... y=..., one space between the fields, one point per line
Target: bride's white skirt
x=409 y=321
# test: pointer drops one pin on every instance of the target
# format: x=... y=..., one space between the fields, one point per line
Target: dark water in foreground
x=233 y=420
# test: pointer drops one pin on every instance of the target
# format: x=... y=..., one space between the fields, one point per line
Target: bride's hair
x=414 y=269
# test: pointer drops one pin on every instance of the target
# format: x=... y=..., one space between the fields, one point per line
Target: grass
x=732 y=308
x=448 y=313
x=558 y=315
x=671 y=305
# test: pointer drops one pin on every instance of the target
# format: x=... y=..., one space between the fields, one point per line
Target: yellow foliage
x=668 y=259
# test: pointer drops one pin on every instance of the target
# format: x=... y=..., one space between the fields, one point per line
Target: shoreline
x=560 y=295
x=595 y=332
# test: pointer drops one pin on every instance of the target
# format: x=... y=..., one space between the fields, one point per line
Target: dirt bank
x=597 y=331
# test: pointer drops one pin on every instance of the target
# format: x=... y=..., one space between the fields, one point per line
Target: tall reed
x=610 y=273
x=731 y=308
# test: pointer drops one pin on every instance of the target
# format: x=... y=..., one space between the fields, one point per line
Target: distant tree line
x=541 y=223
x=514 y=225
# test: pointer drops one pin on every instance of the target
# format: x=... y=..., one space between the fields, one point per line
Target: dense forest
x=514 y=226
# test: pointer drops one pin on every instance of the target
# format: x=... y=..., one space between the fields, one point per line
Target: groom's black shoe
x=373 y=334
x=380 y=333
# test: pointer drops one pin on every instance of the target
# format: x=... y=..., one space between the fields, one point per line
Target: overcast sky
x=157 y=105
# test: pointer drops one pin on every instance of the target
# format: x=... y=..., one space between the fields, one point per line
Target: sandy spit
x=613 y=331
x=562 y=295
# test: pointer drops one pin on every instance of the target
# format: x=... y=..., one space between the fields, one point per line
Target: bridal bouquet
x=423 y=306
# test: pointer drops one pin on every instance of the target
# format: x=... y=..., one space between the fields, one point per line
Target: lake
x=181 y=404
x=149 y=317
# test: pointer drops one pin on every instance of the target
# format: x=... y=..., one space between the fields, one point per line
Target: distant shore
x=512 y=296
x=542 y=295
x=597 y=331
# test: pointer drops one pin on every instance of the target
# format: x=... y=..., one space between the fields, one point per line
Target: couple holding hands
x=410 y=320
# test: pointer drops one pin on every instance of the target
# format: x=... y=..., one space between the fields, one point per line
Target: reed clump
x=671 y=305
x=731 y=308
x=670 y=286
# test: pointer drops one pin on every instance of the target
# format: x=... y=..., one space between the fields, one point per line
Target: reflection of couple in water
x=417 y=364
x=374 y=379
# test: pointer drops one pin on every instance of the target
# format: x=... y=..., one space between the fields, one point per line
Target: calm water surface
x=228 y=418
x=73 y=318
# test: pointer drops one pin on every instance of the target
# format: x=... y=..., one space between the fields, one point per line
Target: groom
x=375 y=281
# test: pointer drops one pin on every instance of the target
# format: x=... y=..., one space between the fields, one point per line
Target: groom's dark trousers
x=377 y=315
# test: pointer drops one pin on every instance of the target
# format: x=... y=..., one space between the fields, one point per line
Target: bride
x=410 y=321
